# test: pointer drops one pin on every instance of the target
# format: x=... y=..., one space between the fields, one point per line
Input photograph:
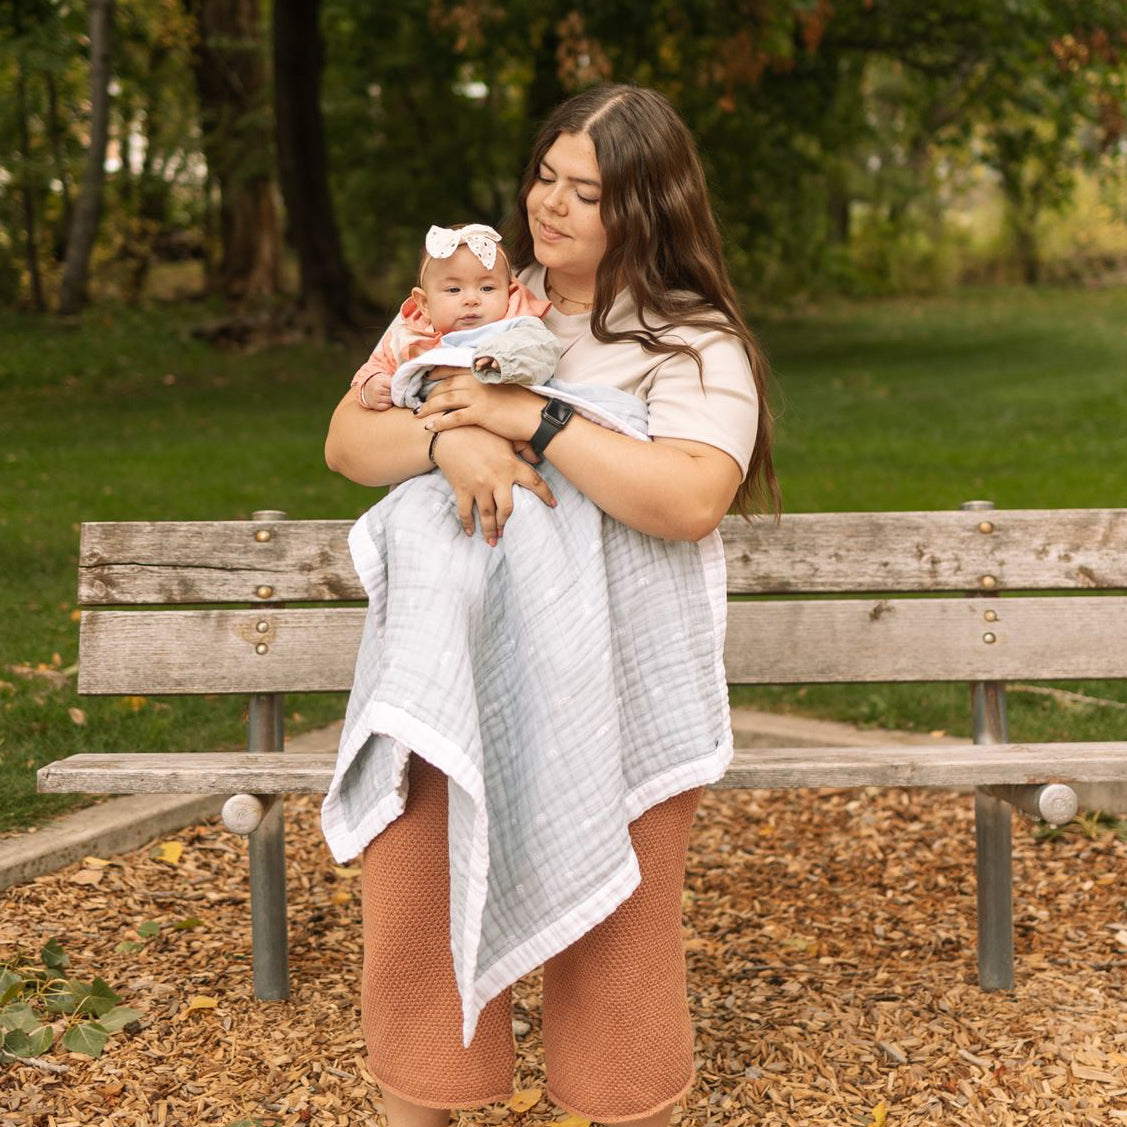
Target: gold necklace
x=585 y=306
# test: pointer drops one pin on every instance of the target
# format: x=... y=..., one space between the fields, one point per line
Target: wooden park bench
x=874 y=628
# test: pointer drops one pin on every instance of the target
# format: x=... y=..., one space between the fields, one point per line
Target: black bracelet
x=430 y=448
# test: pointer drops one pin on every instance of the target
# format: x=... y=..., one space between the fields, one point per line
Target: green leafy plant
x=1091 y=825
x=29 y=992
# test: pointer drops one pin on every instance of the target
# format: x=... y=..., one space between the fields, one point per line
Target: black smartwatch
x=553 y=419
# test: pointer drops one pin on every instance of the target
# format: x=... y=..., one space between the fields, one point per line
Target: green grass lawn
x=1012 y=396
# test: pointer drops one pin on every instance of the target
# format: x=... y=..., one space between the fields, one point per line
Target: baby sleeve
x=525 y=354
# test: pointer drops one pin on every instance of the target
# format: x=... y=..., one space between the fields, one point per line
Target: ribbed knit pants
x=618 y=1042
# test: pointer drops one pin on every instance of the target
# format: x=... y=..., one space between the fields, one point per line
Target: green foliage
x=32 y=995
x=838 y=138
x=1091 y=825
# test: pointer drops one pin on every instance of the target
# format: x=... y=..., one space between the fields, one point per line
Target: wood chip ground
x=830 y=940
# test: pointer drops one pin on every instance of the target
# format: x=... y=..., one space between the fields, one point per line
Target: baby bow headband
x=442 y=242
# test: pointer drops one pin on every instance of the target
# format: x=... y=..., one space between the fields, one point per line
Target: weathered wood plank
x=950 y=639
x=175 y=562
x=911 y=765
x=768 y=643
x=193 y=651
x=1025 y=549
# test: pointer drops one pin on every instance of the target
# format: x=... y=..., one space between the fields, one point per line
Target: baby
x=466 y=311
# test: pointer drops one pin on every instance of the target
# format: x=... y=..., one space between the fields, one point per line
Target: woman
x=613 y=225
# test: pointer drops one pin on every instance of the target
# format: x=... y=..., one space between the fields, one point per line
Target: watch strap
x=553 y=419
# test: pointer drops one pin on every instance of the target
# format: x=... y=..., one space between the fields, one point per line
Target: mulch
x=830 y=939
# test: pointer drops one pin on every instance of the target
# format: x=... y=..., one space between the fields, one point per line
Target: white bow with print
x=442 y=242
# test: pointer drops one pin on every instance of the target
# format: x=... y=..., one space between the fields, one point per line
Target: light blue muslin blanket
x=565 y=681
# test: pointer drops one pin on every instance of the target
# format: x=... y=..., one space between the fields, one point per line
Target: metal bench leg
x=993 y=824
x=994 y=862
x=270 y=942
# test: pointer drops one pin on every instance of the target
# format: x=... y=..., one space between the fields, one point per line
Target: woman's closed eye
x=544 y=178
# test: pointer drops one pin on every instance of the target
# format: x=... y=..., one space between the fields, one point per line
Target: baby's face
x=459 y=293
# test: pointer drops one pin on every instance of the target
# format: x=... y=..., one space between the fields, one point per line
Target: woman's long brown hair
x=662 y=241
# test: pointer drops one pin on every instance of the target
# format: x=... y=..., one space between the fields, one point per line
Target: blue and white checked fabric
x=565 y=681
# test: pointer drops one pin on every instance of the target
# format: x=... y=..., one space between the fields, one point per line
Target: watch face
x=558 y=411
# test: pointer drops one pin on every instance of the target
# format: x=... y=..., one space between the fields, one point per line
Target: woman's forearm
x=675 y=489
x=376 y=447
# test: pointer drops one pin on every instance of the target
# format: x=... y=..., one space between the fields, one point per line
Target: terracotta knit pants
x=618 y=1043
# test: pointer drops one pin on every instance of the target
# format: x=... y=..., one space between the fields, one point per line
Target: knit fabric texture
x=618 y=1041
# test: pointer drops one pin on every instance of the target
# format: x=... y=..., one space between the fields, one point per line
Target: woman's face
x=563 y=213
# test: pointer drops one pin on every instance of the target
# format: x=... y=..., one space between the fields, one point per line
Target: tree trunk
x=88 y=209
x=150 y=193
x=29 y=192
x=1022 y=213
x=230 y=72
x=1028 y=248
x=62 y=172
x=327 y=287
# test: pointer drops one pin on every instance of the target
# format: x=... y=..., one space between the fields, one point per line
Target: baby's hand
x=378 y=395
x=484 y=363
x=373 y=389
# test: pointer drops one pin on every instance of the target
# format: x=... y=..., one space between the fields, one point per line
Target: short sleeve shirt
x=716 y=404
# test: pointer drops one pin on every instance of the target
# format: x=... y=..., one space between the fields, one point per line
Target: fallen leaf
x=341 y=896
x=1121 y=938
x=879 y=1114
x=134 y=704
x=56 y=678
x=524 y=1099
x=76 y=615
x=96 y=862
x=77 y=716
x=169 y=851
x=57 y=660
x=199 y=1002
x=88 y=876
x=572 y=1121
x=346 y=874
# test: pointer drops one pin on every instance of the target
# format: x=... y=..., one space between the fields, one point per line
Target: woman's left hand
x=507 y=410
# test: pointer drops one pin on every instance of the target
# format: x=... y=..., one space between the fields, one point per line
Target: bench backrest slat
x=192 y=651
x=1026 y=549
x=177 y=562
x=842 y=640
x=771 y=642
x=308 y=561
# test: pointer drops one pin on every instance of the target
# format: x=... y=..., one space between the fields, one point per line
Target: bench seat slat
x=800 y=641
x=177 y=562
x=908 y=765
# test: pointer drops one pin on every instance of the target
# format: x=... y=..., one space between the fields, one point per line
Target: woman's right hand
x=483 y=469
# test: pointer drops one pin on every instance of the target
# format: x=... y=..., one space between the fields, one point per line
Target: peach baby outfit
x=411 y=334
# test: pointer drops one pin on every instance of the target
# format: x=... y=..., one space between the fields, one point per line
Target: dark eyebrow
x=572 y=179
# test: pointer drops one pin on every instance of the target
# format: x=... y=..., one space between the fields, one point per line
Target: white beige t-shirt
x=722 y=411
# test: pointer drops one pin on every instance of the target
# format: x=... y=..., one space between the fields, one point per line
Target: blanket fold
x=564 y=681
